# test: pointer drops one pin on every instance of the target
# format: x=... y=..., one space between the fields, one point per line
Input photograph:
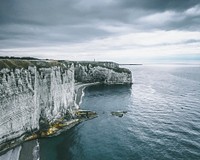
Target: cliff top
x=25 y=62
x=21 y=63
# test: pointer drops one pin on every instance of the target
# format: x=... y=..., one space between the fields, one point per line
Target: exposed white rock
x=114 y=75
x=27 y=94
x=47 y=92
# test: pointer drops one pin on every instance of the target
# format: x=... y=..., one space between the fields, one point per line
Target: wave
x=36 y=149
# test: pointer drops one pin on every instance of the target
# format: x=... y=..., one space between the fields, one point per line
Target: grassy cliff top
x=25 y=62
x=19 y=63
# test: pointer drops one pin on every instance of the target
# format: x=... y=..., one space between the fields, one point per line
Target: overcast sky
x=125 y=31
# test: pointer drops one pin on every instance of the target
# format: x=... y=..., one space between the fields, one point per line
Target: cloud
x=135 y=46
x=161 y=19
x=171 y=19
x=103 y=29
x=193 y=11
x=159 y=5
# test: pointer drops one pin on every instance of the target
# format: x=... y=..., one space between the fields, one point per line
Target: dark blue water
x=163 y=119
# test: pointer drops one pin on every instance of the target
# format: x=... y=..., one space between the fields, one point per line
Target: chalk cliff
x=104 y=72
x=32 y=91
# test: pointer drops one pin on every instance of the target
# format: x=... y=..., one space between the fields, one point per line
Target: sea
x=162 y=120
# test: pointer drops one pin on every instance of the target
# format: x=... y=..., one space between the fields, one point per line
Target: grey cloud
x=28 y=35
x=159 y=5
x=49 y=22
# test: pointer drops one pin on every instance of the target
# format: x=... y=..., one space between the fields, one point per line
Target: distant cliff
x=35 y=91
x=104 y=72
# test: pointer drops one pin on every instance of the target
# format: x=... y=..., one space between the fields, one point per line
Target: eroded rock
x=119 y=113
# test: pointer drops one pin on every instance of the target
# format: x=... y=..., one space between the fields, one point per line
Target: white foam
x=36 y=149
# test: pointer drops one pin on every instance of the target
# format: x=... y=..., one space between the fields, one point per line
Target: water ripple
x=163 y=119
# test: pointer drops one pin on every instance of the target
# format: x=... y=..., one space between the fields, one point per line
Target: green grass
x=16 y=63
x=21 y=63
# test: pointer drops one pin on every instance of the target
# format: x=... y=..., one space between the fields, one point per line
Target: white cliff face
x=46 y=92
x=111 y=76
x=56 y=93
x=104 y=73
x=28 y=94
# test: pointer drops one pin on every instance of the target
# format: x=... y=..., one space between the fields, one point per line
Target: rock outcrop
x=35 y=91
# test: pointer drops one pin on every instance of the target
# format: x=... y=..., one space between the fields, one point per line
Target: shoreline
x=27 y=149
x=29 y=146
x=79 y=93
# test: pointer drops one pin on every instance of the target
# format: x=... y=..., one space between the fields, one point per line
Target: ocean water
x=162 y=122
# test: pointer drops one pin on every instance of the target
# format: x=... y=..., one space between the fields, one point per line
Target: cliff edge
x=35 y=92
